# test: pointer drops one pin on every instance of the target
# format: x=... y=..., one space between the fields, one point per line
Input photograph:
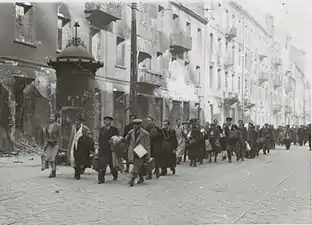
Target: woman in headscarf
x=52 y=134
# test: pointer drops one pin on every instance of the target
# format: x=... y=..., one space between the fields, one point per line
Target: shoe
x=52 y=174
x=173 y=171
x=140 y=181
x=131 y=182
x=101 y=182
x=115 y=178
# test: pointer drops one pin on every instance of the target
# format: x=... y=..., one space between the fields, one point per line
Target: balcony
x=289 y=89
x=288 y=109
x=145 y=49
x=276 y=108
x=262 y=52
x=232 y=33
x=160 y=41
x=277 y=83
x=277 y=62
x=228 y=62
x=150 y=79
x=249 y=104
x=231 y=99
x=180 y=43
x=102 y=14
x=263 y=77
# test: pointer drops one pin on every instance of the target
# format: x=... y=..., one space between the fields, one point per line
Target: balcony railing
x=228 y=62
x=277 y=61
x=277 y=83
x=263 y=77
x=288 y=109
x=180 y=43
x=151 y=78
x=288 y=89
x=102 y=13
x=231 y=98
x=232 y=33
x=276 y=107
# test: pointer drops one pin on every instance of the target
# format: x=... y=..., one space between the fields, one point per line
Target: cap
x=80 y=118
x=108 y=118
x=228 y=119
x=137 y=121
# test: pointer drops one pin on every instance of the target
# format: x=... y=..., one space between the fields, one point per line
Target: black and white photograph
x=182 y=112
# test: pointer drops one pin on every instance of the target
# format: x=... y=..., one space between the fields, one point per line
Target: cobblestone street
x=271 y=189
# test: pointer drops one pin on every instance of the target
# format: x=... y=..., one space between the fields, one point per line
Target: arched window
x=64 y=31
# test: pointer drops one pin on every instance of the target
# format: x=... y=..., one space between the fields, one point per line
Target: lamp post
x=134 y=71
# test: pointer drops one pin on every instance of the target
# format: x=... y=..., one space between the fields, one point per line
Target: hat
x=80 y=118
x=108 y=118
x=228 y=119
x=137 y=121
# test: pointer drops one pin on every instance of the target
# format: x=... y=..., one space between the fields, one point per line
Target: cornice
x=190 y=12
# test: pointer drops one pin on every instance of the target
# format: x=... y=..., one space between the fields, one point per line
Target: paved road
x=270 y=189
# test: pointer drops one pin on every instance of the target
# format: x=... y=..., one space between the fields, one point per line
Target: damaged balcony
x=277 y=83
x=228 y=62
x=180 y=43
x=288 y=109
x=102 y=14
x=231 y=98
x=145 y=49
x=231 y=34
x=150 y=79
x=249 y=104
x=263 y=77
x=276 y=108
x=160 y=42
x=277 y=61
x=289 y=88
x=262 y=53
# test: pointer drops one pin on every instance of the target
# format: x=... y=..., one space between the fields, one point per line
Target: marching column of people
x=152 y=149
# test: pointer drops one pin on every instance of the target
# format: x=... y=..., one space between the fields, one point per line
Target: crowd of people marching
x=155 y=150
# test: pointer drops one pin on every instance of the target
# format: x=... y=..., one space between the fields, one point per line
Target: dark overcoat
x=82 y=153
x=105 y=151
x=167 y=155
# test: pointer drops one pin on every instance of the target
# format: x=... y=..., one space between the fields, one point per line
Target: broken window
x=24 y=22
x=120 y=51
x=63 y=31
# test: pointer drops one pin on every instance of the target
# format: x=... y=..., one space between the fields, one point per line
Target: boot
x=101 y=177
x=52 y=174
x=149 y=176
x=173 y=170
x=131 y=182
x=53 y=170
x=141 y=180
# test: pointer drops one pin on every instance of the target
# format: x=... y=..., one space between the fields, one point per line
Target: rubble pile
x=26 y=145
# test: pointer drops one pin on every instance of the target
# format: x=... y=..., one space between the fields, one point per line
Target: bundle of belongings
x=118 y=147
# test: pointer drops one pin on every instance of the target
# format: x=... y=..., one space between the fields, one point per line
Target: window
x=239 y=57
x=188 y=29
x=160 y=62
x=238 y=83
x=199 y=36
x=226 y=46
x=161 y=12
x=211 y=77
x=232 y=85
x=96 y=44
x=211 y=43
x=62 y=37
x=226 y=77
x=246 y=60
x=24 y=22
x=219 y=46
x=233 y=53
x=146 y=64
x=120 y=51
x=198 y=74
x=219 y=79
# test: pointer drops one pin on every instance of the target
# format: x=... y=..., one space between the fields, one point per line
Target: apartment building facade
x=170 y=45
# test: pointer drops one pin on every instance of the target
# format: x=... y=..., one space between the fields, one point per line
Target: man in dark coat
x=155 y=142
x=194 y=146
x=167 y=156
x=309 y=135
x=82 y=154
x=214 y=140
x=105 y=151
x=301 y=134
x=252 y=137
x=266 y=135
x=243 y=139
x=232 y=138
x=127 y=129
